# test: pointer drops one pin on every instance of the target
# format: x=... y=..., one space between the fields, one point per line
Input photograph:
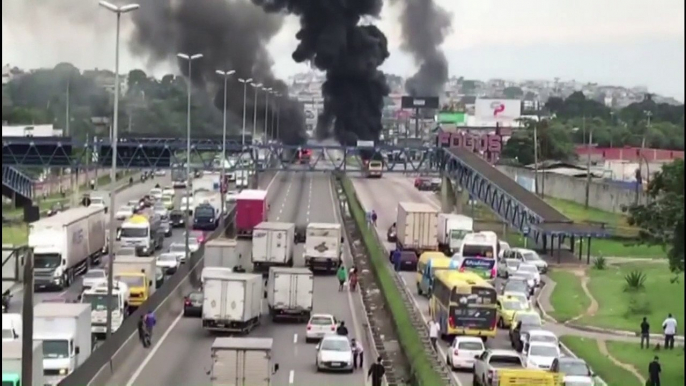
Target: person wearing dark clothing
x=150 y=322
x=374 y=217
x=654 y=370
x=342 y=329
x=645 y=333
x=143 y=333
x=396 y=260
x=376 y=372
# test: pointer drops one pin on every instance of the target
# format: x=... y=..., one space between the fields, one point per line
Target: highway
x=383 y=196
x=134 y=192
x=181 y=355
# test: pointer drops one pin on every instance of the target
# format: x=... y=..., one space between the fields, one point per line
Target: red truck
x=251 y=209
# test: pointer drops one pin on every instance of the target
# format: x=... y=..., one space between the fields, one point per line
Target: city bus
x=373 y=168
x=464 y=304
x=427 y=265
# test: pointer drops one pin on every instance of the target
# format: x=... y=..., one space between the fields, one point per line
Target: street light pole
x=267 y=90
x=245 y=94
x=254 y=119
x=190 y=59
x=275 y=106
x=118 y=11
x=222 y=184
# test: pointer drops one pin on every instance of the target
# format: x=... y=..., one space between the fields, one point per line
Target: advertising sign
x=485 y=144
x=495 y=110
x=452 y=118
x=409 y=102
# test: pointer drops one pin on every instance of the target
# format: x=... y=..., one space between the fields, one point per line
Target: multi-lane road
x=181 y=354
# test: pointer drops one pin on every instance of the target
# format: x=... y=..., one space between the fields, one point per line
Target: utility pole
x=588 y=163
x=536 y=158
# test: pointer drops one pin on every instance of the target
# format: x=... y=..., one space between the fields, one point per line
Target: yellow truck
x=508 y=368
x=138 y=273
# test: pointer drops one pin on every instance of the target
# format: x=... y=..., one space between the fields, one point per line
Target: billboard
x=409 y=102
x=452 y=118
x=487 y=145
x=497 y=110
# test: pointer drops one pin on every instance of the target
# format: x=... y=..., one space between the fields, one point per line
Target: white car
x=186 y=204
x=463 y=352
x=526 y=277
x=540 y=336
x=123 y=213
x=168 y=191
x=334 y=353
x=156 y=193
x=193 y=244
x=541 y=355
x=179 y=250
x=319 y=326
x=530 y=270
x=528 y=256
x=507 y=267
x=576 y=371
x=93 y=277
x=168 y=262
x=160 y=173
x=231 y=196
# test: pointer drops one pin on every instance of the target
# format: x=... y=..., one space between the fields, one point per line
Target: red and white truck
x=251 y=209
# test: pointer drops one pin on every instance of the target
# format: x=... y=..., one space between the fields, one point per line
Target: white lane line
x=295 y=338
x=291 y=377
x=309 y=200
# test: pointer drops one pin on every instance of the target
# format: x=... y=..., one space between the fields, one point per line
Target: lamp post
x=254 y=119
x=190 y=59
x=225 y=75
x=118 y=11
x=245 y=94
x=275 y=107
x=267 y=90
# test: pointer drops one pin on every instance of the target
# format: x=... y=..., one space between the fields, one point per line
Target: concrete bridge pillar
x=450 y=200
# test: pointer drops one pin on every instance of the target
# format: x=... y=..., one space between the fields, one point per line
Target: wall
x=603 y=196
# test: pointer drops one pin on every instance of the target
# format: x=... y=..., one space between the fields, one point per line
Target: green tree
x=554 y=142
x=661 y=219
x=513 y=92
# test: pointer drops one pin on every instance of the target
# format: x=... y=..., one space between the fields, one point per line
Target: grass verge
x=620 y=309
x=587 y=349
x=408 y=337
x=568 y=298
x=672 y=361
x=14 y=234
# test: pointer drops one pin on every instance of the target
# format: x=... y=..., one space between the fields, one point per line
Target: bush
x=600 y=263
x=635 y=281
x=408 y=337
x=638 y=306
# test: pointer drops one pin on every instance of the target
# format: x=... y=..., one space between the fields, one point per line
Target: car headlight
x=63 y=371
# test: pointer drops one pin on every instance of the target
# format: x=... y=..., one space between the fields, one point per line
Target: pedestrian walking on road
x=342 y=275
x=150 y=322
x=669 y=328
x=143 y=333
x=358 y=354
x=396 y=260
x=434 y=332
x=654 y=370
x=374 y=217
x=376 y=372
x=645 y=333
x=342 y=330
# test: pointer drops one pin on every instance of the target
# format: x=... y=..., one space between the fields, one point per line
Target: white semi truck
x=452 y=228
x=272 y=245
x=97 y=298
x=12 y=363
x=65 y=331
x=290 y=293
x=232 y=302
x=65 y=244
x=323 y=246
x=144 y=232
x=242 y=362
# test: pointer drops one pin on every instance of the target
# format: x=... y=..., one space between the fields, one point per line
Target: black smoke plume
x=332 y=38
x=232 y=35
x=424 y=26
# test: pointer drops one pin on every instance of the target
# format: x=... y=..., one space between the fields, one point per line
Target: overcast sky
x=627 y=42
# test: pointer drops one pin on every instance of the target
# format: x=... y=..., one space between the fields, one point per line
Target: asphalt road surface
x=181 y=355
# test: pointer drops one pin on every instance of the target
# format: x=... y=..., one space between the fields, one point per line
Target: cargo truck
x=251 y=210
x=323 y=246
x=12 y=362
x=232 y=302
x=290 y=293
x=242 y=362
x=65 y=244
x=416 y=227
x=65 y=331
x=272 y=245
x=144 y=232
x=138 y=273
x=97 y=298
x=222 y=253
x=452 y=229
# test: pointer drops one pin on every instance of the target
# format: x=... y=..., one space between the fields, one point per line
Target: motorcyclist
x=157 y=186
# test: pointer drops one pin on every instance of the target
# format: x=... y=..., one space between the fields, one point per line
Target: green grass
x=568 y=298
x=15 y=234
x=672 y=361
x=624 y=310
x=408 y=337
x=587 y=349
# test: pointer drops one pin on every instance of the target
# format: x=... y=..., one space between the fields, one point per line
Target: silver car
x=334 y=353
x=179 y=249
x=507 y=267
x=93 y=277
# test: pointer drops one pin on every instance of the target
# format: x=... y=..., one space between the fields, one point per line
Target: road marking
x=291 y=377
x=295 y=338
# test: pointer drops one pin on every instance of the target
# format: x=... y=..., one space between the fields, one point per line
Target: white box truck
x=138 y=273
x=272 y=245
x=232 y=302
x=290 y=293
x=12 y=360
x=323 y=246
x=452 y=228
x=416 y=227
x=65 y=331
x=242 y=362
x=222 y=253
x=97 y=298
x=61 y=246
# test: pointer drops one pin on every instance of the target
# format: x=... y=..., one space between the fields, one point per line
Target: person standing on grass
x=669 y=328
x=434 y=332
x=654 y=370
x=645 y=333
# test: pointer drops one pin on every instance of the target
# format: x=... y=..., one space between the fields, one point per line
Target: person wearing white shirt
x=669 y=327
x=358 y=354
x=434 y=331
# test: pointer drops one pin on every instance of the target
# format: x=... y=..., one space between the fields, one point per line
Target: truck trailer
x=272 y=245
x=416 y=227
x=12 y=363
x=221 y=253
x=251 y=210
x=242 y=362
x=290 y=293
x=232 y=302
x=323 y=246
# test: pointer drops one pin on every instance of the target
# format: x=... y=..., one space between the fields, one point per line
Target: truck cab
x=205 y=217
x=143 y=232
x=97 y=298
x=139 y=287
x=60 y=353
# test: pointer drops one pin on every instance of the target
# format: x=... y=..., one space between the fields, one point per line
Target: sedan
x=463 y=351
x=319 y=326
x=192 y=304
x=160 y=173
x=179 y=250
x=541 y=355
x=168 y=262
x=93 y=277
x=177 y=218
x=526 y=277
x=531 y=257
x=334 y=353
x=575 y=370
x=507 y=267
x=530 y=270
